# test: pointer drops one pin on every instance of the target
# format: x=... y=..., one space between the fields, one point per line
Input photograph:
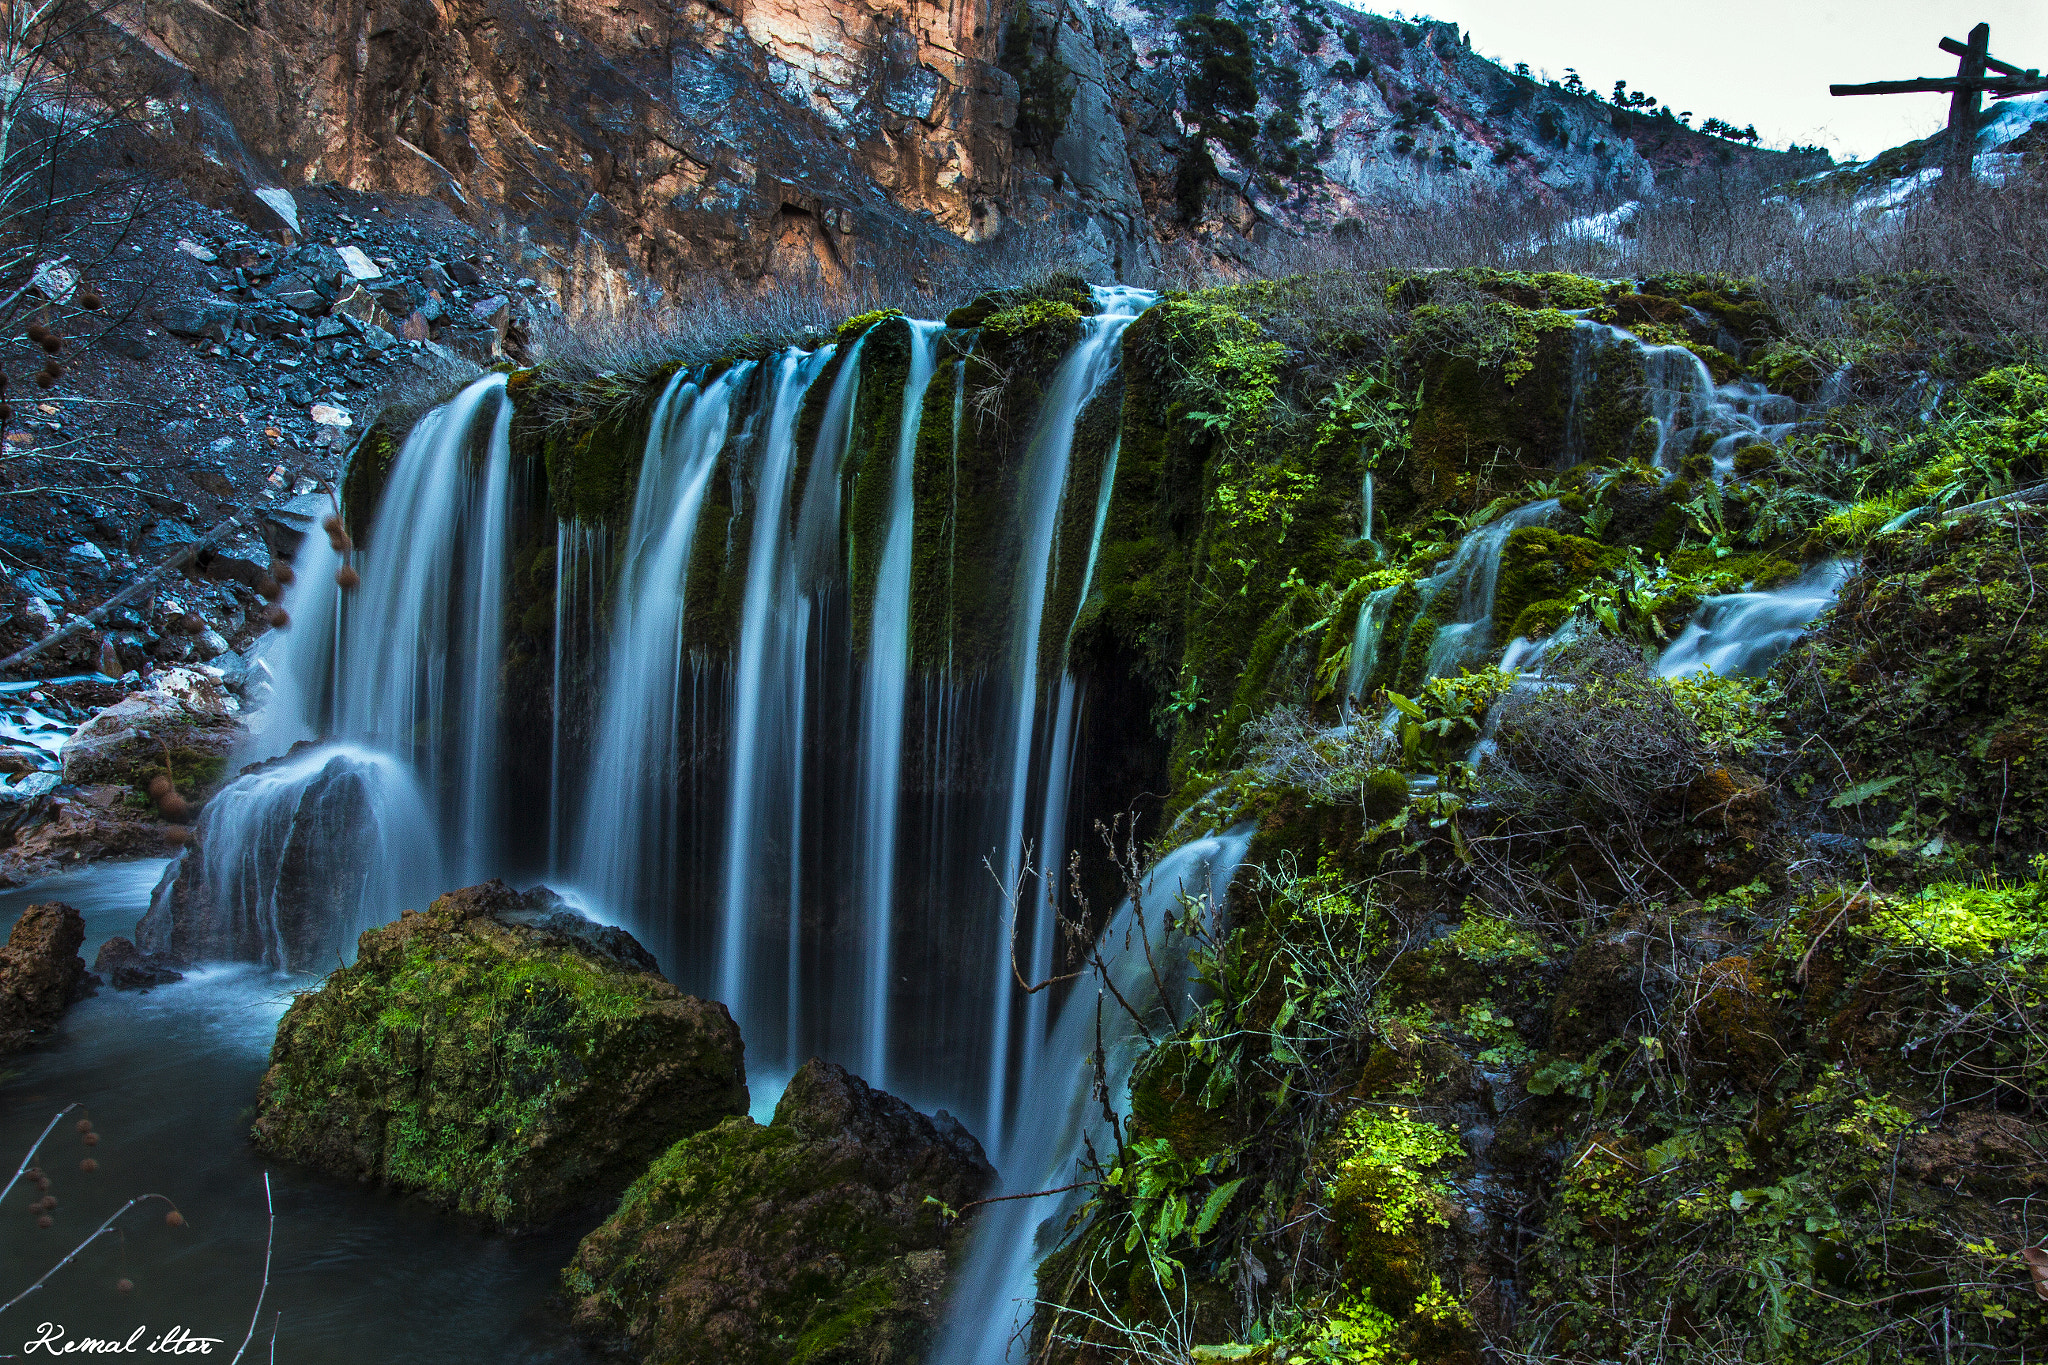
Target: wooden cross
x=1973 y=79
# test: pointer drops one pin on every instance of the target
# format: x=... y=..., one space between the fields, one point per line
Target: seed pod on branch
x=175 y=1219
x=89 y=299
x=283 y=573
x=38 y=333
x=348 y=578
x=269 y=589
x=278 y=617
x=160 y=786
x=176 y=809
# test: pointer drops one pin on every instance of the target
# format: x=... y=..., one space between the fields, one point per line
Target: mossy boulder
x=807 y=1240
x=498 y=1056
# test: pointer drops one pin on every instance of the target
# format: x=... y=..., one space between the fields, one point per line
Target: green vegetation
x=493 y=1069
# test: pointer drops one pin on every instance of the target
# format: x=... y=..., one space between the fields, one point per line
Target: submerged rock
x=41 y=972
x=128 y=968
x=809 y=1239
x=494 y=1067
x=295 y=858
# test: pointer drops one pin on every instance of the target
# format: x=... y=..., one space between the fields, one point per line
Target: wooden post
x=1964 y=106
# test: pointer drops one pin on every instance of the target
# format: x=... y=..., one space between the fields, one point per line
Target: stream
x=168 y=1077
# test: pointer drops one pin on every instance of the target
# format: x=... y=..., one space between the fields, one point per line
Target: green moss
x=1540 y=571
x=1385 y=795
x=1031 y=316
x=488 y=1070
x=362 y=485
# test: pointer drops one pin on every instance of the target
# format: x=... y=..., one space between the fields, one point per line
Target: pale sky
x=1767 y=62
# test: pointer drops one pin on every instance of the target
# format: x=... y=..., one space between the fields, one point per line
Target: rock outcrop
x=127 y=968
x=494 y=1067
x=41 y=973
x=808 y=1239
x=793 y=139
x=185 y=723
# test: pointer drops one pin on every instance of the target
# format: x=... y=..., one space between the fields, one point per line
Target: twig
x=1035 y=1194
x=22 y=1169
x=73 y=1253
x=269 y=1242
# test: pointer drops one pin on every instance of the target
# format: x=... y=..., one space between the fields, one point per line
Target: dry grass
x=720 y=319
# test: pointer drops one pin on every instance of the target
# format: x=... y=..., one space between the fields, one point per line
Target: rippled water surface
x=168 y=1078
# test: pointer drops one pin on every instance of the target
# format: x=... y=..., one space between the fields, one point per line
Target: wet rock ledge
x=497 y=1056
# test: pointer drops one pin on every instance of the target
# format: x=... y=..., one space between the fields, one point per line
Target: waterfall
x=582 y=566
x=1365 y=643
x=1047 y=455
x=626 y=851
x=764 y=722
x=882 y=713
x=297 y=859
x=1685 y=405
x=1060 y=1120
x=1742 y=634
x=1467 y=637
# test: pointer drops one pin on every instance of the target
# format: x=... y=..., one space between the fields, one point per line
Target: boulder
x=200 y=317
x=127 y=968
x=46 y=831
x=493 y=1066
x=185 y=718
x=40 y=973
x=809 y=1239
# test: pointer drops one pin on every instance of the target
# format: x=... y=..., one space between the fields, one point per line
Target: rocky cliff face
x=637 y=141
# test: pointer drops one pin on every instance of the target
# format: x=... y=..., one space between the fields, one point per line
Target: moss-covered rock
x=496 y=1056
x=809 y=1240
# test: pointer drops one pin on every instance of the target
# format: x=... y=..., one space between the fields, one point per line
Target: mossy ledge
x=817 y=1238
x=496 y=1059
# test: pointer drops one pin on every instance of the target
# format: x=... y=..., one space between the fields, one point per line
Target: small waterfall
x=375 y=666
x=582 y=568
x=882 y=713
x=1685 y=405
x=1050 y=449
x=1742 y=634
x=294 y=861
x=1365 y=518
x=1365 y=643
x=764 y=721
x=626 y=850
x=1060 y=1120
x=1467 y=637
x=297 y=858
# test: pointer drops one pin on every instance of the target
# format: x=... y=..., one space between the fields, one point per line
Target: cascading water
x=625 y=853
x=1467 y=637
x=1742 y=634
x=1050 y=450
x=764 y=723
x=882 y=714
x=1683 y=401
x=297 y=858
x=1060 y=1121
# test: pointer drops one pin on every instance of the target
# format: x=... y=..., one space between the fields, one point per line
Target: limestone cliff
x=637 y=142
